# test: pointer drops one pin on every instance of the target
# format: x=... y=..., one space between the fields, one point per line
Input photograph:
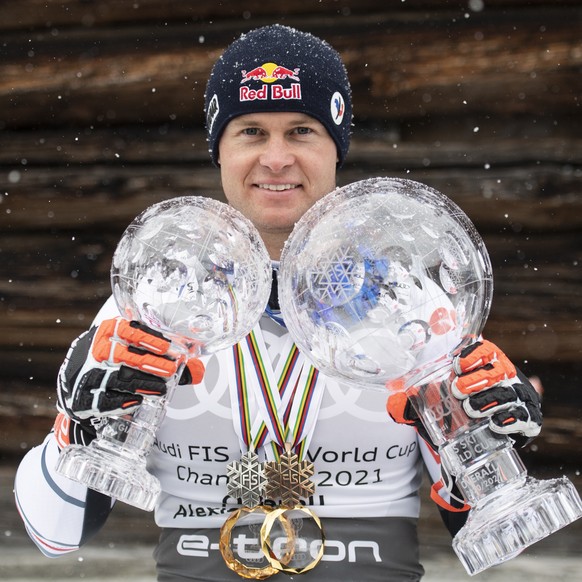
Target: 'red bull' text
x=274 y=91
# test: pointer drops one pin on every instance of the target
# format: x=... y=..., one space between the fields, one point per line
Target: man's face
x=274 y=167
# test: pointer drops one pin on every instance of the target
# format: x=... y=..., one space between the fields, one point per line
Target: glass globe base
x=503 y=527
x=122 y=478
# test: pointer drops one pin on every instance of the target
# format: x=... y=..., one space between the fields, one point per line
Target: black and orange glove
x=400 y=408
x=491 y=386
x=110 y=368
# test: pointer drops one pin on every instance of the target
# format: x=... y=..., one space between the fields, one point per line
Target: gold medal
x=300 y=552
x=255 y=516
x=275 y=407
x=289 y=479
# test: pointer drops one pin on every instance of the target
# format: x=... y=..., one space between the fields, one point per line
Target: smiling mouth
x=277 y=187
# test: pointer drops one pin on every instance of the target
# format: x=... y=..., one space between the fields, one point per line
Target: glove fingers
x=480 y=354
x=491 y=386
x=140 y=335
x=508 y=412
x=480 y=366
x=399 y=408
x=402 y=411
x=193 y=372
x=481 y=379
x=474 y=356
x=515 y=420
x=488 y=401
x=145 y=361
x=99 y=403
x=135 y=382
x=119 y=390
x=111 y=367
x=116 y=353
x=114 y=402
x=118 y=341
x=133 y=333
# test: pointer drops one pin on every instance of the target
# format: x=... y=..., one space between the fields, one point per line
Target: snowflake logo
x=289 y=479
x=337 y=279
x=246 y=479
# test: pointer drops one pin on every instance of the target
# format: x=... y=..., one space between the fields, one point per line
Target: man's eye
x=303 y=130
x=250 y=131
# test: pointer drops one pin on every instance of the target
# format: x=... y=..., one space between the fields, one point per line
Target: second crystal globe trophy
x=386 y=280
x=197 y=271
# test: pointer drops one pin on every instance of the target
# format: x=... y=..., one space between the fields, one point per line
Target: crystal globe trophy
x=197 y=271
x=381 y=284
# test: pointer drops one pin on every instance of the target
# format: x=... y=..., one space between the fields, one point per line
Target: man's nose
x=277 y=154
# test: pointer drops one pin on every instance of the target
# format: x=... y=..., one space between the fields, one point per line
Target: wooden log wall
x=101 y=116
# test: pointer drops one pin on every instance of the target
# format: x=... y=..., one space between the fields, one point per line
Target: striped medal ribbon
x=274 y=411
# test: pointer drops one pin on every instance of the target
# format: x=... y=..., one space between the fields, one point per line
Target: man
x=279 y=114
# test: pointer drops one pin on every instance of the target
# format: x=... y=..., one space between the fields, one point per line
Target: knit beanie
x=278 y=68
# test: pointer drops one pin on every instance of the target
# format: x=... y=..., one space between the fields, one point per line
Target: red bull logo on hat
x=269 y=74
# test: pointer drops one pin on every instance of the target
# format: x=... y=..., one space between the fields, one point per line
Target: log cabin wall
x=101 y=116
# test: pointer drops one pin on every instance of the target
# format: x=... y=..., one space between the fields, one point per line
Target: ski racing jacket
x=365 y=464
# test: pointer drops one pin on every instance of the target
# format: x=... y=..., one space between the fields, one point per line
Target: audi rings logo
x=212 y=396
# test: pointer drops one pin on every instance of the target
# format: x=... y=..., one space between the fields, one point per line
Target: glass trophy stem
x=115 y=462
x=509 y=510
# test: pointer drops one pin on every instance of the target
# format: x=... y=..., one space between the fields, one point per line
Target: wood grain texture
x=101 y=116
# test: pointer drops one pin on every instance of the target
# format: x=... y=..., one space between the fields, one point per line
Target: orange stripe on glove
x=480 y=366
x=114 y=341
